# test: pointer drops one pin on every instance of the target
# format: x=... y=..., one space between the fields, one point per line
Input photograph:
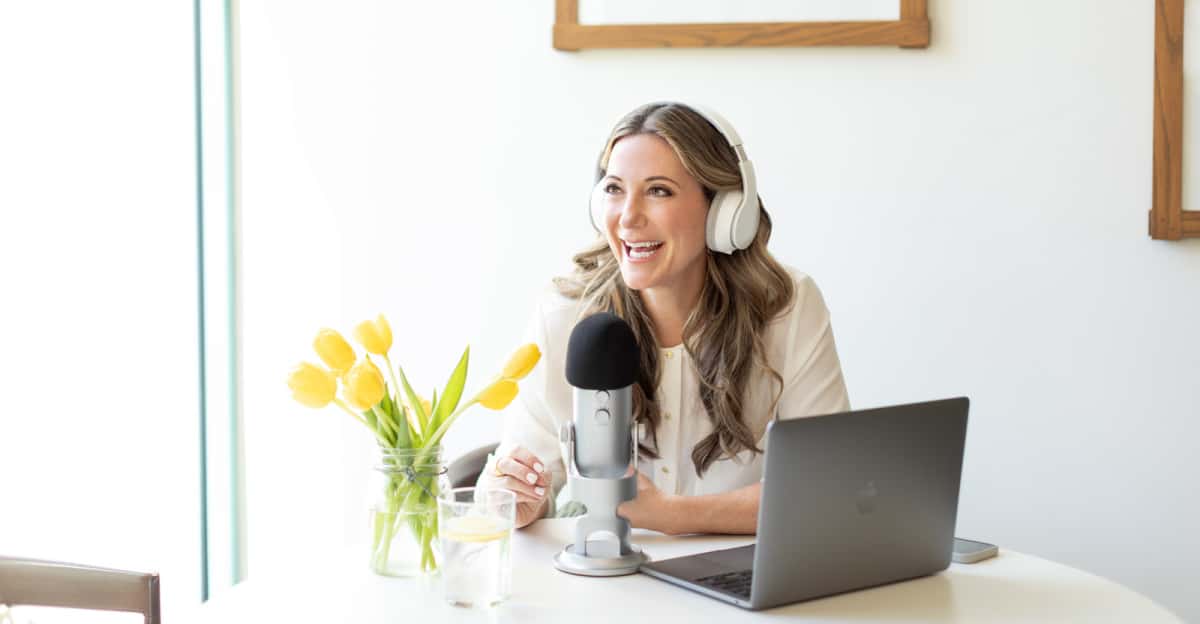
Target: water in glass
x=476 y=535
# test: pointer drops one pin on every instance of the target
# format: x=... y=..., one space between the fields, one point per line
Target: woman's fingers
x=524 y=474
x=517 y=478
x=517 y=471
x=525 y=492
x=524 y=466
x=529 y=459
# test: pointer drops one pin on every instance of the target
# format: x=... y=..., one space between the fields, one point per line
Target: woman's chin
x=635 y=278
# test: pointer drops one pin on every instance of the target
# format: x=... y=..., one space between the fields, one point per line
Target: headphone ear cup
x=744 y=225
x=719 y=228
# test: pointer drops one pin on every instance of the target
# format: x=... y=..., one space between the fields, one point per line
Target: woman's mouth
x=641 y=251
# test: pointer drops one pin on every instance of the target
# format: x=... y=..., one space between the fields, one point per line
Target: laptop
x=849 y=501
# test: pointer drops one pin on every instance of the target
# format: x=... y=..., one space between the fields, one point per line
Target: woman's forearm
x=734 y=512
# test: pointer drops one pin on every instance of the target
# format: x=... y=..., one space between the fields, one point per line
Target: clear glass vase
x=404 y=533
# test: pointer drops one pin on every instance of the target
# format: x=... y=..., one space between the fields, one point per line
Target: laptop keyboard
x=736 y=583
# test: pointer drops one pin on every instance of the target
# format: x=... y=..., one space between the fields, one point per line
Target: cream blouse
x=799 y=346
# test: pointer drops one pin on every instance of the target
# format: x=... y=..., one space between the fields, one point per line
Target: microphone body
x=600 y=446
x=603 y=432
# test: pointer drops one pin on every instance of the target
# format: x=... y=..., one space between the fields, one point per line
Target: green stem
x=352 y=413
x=396 y=384
x=382 y=550
x=385 y=421
x=436 y=437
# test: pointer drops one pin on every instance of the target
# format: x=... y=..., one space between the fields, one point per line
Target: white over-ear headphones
x=732 y=215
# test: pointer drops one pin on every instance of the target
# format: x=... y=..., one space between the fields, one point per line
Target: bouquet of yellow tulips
x=407 y=428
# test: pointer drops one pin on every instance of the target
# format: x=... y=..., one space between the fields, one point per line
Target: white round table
x=338 y=587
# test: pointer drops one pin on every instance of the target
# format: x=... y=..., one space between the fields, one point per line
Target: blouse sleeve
x=529 y=421
x=812 y=379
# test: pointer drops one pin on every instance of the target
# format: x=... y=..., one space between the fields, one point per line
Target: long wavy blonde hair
x=742 y=292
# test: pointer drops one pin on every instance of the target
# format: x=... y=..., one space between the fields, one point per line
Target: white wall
x=99 y=448
x=975 y=213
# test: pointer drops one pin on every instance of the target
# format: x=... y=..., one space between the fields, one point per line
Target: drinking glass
x=475 y=526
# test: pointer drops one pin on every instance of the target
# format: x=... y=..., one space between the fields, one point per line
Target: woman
x=727 y=340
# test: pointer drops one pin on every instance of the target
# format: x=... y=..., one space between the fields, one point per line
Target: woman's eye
x=660 y=191
x=611 y=188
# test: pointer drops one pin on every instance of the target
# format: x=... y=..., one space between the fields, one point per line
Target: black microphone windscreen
x=602 y=353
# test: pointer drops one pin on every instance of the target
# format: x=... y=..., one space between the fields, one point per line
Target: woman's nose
x=632 y=214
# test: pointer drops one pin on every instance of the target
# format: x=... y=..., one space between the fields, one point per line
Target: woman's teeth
x=641 y=251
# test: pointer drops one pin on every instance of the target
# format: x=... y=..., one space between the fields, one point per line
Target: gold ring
x=496 y=469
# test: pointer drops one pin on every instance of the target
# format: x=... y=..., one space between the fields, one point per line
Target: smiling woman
x=728 y=337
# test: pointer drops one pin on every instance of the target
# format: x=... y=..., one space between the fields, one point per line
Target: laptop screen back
x=858 y=499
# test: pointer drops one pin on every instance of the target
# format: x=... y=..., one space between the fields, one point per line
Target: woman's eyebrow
x=649 y=179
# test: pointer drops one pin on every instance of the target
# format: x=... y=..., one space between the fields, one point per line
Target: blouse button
x=670 y=354
x=667 y=415
x=665 y=471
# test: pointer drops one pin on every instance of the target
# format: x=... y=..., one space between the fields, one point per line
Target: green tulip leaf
x=432 y=411
x=387 y=420
x=404 y=437
x=454 y=390
x=387 y=432
x=385 y=408
x=413 y=434
x=413 y=400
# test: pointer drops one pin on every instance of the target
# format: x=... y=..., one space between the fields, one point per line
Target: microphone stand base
x=585 y=565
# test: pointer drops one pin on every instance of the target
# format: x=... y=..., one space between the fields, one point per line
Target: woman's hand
x=651 y=508
x=525 y=475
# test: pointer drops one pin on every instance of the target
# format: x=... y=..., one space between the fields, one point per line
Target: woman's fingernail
x=538 y=467
x=531 y=478
x=539 y=490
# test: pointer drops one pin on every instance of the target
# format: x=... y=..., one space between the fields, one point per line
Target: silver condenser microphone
x=600 y=446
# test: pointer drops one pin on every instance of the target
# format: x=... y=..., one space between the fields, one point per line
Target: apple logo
x=866 y=498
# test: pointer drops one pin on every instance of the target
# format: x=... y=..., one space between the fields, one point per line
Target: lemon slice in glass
x=475 y=529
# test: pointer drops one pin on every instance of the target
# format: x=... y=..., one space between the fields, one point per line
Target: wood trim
x=1167 y=216
x=911 y=31
x=566 y=11
x=1190 y=221
x=915 y=11
x=767 y=34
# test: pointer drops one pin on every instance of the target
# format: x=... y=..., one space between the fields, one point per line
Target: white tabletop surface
x=1011 y=587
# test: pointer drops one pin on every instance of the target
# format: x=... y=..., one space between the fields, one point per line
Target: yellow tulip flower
x=375 y=336
x=334 y=351
x=364 y=385
x=312 y=385
x=498 y=395
x=521 y=362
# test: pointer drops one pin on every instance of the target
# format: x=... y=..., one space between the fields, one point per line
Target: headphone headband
x=749 y=183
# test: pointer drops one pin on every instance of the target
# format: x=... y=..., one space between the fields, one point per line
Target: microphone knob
x=602 y=398
x=603 y=417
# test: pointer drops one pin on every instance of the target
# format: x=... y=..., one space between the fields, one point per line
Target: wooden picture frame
x=1168 y=219
x=910 y=31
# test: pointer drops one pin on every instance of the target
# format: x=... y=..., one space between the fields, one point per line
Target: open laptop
x=849 y=501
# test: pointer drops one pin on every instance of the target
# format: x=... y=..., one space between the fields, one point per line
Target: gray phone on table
x=970 y=551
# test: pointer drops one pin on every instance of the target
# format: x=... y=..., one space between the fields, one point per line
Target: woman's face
x=654 y=214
